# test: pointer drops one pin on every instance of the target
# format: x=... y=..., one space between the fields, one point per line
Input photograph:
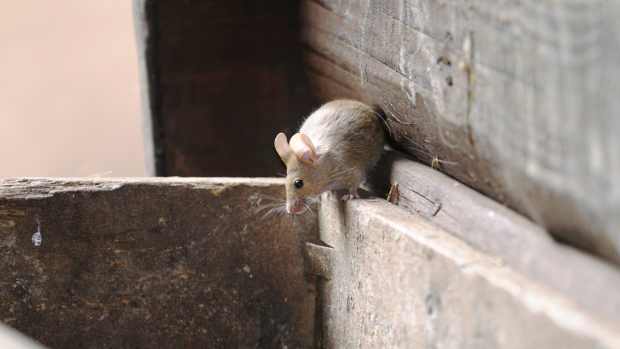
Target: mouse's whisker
x=271 y=205
x=418 y=148
x=447 y=162
x=275 y=211
x=260 y=207
x=385 y=122
x=263 y=197
x=266 y=208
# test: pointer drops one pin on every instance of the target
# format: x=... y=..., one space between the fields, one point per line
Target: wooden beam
x=165 y=262
x=400 y=281
x=517 y=100
x=500 y=232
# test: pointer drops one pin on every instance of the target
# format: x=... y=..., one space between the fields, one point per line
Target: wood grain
x=154 y=262
x=516 y=99
x=499 y=232
x=400 y=281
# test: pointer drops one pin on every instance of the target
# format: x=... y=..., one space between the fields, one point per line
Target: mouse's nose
x=295 y=207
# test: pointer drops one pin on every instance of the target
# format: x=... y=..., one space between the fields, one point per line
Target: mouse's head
x=302 y=170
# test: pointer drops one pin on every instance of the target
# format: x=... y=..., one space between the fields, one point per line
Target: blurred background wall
x=69 y=94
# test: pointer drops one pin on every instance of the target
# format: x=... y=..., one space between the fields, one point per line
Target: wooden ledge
x=399 y=280
x=500 y=232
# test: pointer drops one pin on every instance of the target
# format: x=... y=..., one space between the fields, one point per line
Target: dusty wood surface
x=154 y=263
x=399 y=281
x=500 y=232
x=516 y=99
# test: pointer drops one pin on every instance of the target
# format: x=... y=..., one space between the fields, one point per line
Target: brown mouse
x=333 y=150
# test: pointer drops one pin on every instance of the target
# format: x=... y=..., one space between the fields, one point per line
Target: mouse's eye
x=299 y=183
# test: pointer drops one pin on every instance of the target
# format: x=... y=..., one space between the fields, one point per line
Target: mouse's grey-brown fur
x=334 y=149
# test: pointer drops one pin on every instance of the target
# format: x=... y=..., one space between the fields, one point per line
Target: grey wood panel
x=397 y=280
x=518 y=99
x=498 y=231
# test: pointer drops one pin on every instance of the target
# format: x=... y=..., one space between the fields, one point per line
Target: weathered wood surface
x=397 y=280
x=500 y=232
x=223 y=78
x=154 y=263
x=172 y=262
x=518 y=99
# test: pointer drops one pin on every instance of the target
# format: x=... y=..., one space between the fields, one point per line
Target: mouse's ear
x=282 y=147
x=304 y=149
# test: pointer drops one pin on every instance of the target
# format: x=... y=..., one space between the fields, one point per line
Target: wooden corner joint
x=319 y=260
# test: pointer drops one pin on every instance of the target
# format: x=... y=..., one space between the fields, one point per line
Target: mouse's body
x=334 y=149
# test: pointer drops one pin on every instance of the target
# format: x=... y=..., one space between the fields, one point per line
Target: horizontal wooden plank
x=520 y=97
x=500 y=232
x=400 y=281
x=161 y=262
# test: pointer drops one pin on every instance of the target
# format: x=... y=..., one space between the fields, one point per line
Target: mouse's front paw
x=353 y=194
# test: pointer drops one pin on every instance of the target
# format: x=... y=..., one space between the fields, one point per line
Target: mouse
x=333 y=150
